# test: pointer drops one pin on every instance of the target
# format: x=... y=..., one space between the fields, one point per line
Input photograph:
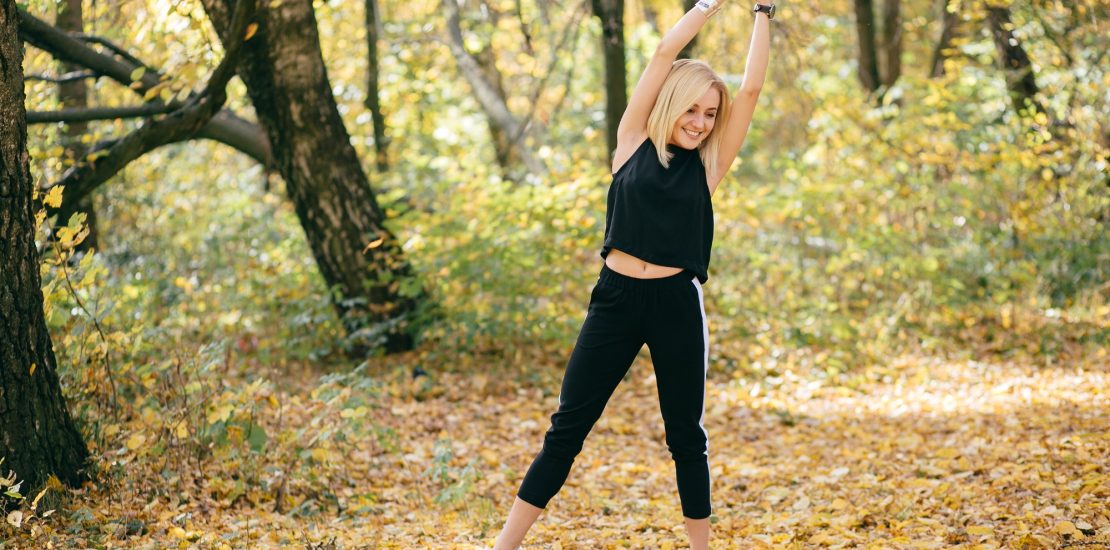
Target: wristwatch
x=769 y=10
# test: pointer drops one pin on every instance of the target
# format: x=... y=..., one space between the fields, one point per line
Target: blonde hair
x=687 y=81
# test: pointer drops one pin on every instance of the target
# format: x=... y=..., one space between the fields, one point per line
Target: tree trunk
x=503 y=145
x=506 y=131
x=373 y=99
x=892 y=42
x=949 y=19
x=1020 y=80
x=865 y=32
x=74 y=95
x=611 y=15
x=688 y=51
x=358 y=256
x=37 y=436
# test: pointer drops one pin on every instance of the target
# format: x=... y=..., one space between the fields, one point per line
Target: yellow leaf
x=980 y=530
x=33 y=366
x=374 y=243
x=1066 y=528
x=948 y=452
x=53 y=197
x=35 y=503
x=354 y=412
x=136 y=441
x=221 y=413
x=251 y=29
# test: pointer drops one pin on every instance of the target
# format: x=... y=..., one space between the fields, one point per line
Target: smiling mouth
x=694 y=135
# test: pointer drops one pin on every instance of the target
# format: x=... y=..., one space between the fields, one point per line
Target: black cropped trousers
x=667 y=314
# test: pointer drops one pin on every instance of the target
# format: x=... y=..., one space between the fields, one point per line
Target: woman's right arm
x=633 y=126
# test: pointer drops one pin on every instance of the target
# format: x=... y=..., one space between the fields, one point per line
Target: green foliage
x=456 y=483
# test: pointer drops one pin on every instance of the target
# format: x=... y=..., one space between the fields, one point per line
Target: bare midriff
x=627 y=264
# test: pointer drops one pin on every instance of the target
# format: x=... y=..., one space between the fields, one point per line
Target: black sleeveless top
x=661 y=215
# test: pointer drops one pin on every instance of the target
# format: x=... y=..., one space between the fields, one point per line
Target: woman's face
x=694 y=125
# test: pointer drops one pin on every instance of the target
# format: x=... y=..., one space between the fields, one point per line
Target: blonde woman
x=676 y=141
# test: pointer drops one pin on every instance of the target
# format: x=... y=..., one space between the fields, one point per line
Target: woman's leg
x=698 y=530
x=521 y=518
x=678 y=338
x=606 y=347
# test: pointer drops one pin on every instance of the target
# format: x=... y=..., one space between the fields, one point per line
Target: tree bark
x=865 y=32
x=892 y=42
x=373 y=97
x=611 y=15
x=38 y=438
x=359 y=258
x=74 y=95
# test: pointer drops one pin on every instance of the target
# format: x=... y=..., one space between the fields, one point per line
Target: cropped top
x=661 y=215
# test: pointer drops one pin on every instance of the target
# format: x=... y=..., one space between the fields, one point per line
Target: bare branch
x=89 y=114
x=75 y=76
x=93 y=39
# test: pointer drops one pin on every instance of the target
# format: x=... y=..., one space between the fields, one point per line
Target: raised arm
x=632 y=129
x=743 y=103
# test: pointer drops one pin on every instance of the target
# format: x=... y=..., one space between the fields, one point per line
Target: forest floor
x=924 y=453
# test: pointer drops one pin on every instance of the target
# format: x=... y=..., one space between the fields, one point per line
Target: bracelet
x=709 y=7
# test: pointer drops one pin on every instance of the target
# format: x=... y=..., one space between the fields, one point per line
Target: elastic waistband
x=611 y=277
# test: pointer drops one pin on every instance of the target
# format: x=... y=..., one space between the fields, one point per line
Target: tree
x=1015 y=63
x=373 y=94
x=74 y=95
x=506 y=130
x=335 y=205
x=358 y=256
x=949 y=21
x=880 y=64
x=224 y=127
x=611 y=15
x=38 y=438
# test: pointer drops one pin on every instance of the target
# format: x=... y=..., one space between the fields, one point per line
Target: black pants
x=668 y=314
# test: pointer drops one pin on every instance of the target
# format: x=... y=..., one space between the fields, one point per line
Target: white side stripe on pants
x=705 y=360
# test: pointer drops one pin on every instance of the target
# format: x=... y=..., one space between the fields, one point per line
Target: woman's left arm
x=743 y=104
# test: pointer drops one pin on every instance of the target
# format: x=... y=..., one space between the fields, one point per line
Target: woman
x=671 y=155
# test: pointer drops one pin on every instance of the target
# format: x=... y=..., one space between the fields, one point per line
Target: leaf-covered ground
x=924 y=453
